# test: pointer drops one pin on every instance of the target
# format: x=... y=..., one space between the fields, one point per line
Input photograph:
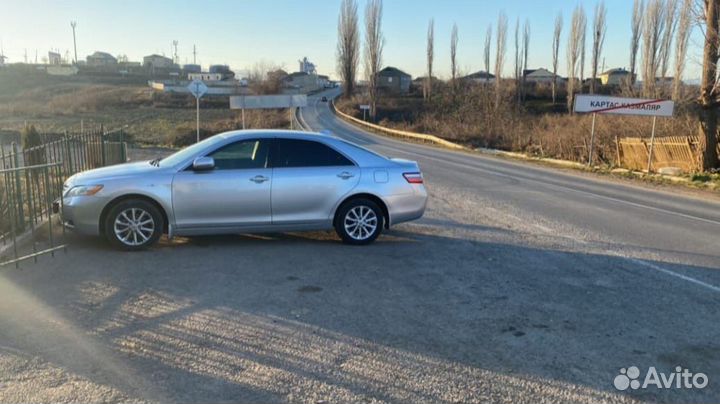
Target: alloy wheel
x=360 y=222
x=134 y=227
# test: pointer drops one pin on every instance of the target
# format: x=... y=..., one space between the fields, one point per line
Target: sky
x=243 y=33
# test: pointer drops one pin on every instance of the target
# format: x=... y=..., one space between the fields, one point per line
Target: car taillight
x=413 y=178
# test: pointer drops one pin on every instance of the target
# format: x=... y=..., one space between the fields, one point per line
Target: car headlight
x=83 y=190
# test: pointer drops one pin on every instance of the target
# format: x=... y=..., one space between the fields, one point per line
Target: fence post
x=102 y=144
x=652 y=144
x=123 y=154
x=18 y=189
x=68 y=150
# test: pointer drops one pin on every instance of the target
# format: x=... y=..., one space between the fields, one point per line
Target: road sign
x=268 y=101
x=243 y=102
x=599 y=104
x=364 y=107
x=197 y=88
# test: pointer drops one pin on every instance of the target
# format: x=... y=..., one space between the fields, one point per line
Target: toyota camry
x=247 y=182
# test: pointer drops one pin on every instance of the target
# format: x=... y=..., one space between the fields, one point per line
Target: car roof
x=266 y=133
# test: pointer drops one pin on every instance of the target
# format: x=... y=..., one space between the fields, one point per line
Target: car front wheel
x=359 y=222
x=133 y=225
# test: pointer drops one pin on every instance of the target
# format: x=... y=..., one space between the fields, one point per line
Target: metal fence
x=32 y=179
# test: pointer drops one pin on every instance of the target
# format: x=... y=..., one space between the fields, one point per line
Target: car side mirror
x=203 y=164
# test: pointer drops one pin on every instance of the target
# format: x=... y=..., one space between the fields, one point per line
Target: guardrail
x=400 y=133
x=298 y=122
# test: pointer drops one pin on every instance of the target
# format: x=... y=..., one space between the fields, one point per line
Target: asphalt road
x=521 y=284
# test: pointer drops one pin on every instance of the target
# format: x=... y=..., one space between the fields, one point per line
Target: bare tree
x=526 y=50
x=636 y=26
x=373 y=50
x=599 y=29
x=430 y=53
x=681 y=45
x=266 y=77
x=556 y=53
x=652 y=34
x=708 y=87
x=453 y=56
x=348 y=47
x=501 y=41
x=583 y=37
x=666 y=42
x=488 y=41
x=573 y=53
x=518 y=61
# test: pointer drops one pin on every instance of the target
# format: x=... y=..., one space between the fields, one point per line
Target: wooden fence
x=673 y=151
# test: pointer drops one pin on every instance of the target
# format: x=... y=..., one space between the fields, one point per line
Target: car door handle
x=345 y=175
x=259 y=179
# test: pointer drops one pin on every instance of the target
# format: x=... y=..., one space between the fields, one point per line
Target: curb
x=400 y=133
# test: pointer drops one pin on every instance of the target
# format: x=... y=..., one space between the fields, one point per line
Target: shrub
x=32 y=144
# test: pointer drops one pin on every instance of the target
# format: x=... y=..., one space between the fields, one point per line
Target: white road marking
x=674 y=274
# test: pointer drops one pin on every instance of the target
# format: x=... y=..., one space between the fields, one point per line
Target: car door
x=235 y=193
x=309 y=178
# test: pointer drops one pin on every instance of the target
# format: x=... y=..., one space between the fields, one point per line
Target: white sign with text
x=600 y=104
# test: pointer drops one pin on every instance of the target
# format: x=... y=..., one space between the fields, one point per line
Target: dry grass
x=147 y=116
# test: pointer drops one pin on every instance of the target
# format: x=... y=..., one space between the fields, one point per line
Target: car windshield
x=184 y=154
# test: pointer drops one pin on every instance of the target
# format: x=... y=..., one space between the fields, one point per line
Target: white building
x=540 y=75
x=157 y=62
x=306 y=66
x=54 y=58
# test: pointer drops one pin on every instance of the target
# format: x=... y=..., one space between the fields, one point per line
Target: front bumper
x=81 y=213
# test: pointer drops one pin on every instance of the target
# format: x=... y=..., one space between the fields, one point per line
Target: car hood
x=113 y=172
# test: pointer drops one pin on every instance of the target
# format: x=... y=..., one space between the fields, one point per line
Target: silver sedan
x=247 y=182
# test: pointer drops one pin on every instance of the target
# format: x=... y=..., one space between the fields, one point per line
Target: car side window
x=306 y=153
x=241 y=155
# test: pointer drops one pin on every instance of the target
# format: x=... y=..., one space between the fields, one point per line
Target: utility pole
x=175 y=56
x=73 y=24
x=194 y=54
x=25 y=55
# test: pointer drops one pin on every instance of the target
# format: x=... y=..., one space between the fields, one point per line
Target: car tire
x=133 y=224
x=359 y=221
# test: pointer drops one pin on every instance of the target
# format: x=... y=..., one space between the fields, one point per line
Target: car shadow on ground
x=411 y=318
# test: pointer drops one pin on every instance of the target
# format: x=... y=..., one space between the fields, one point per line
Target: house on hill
x=394 y=80
x=479 y=77
x=614 y=77
x=101 y=59
x=302 y=81
x=541 y=75
x=157 y=62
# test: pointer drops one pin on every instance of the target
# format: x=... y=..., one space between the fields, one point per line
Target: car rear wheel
x=133 y=224
x=359 y=222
